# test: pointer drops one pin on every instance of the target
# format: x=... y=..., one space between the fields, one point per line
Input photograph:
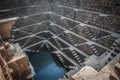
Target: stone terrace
x=80 y=31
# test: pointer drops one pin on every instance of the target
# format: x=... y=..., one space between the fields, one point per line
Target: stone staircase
x=77 y=57
x=88 y=32
x=55 y=29
x=62 y=60
x=96 y=52
x=59 y=45
x=60 y=57
x=70 y=38
x=102 y=38
x=114 y=47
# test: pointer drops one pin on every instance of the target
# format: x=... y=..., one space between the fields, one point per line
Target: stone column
x=10 y=51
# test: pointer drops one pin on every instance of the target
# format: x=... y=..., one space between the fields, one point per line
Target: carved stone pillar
x=10 y=51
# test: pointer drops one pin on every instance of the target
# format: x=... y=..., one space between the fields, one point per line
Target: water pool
x=45 y=66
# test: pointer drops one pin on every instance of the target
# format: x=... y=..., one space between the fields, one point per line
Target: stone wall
x=20 y=8
x=21 y=68
x=106 y=6
x=87 y=29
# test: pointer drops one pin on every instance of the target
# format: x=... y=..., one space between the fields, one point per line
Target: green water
x=45 y=66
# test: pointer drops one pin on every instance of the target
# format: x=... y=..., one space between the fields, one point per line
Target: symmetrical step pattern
x=70 y=38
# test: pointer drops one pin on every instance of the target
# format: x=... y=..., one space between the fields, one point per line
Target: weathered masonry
x=83 y=34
